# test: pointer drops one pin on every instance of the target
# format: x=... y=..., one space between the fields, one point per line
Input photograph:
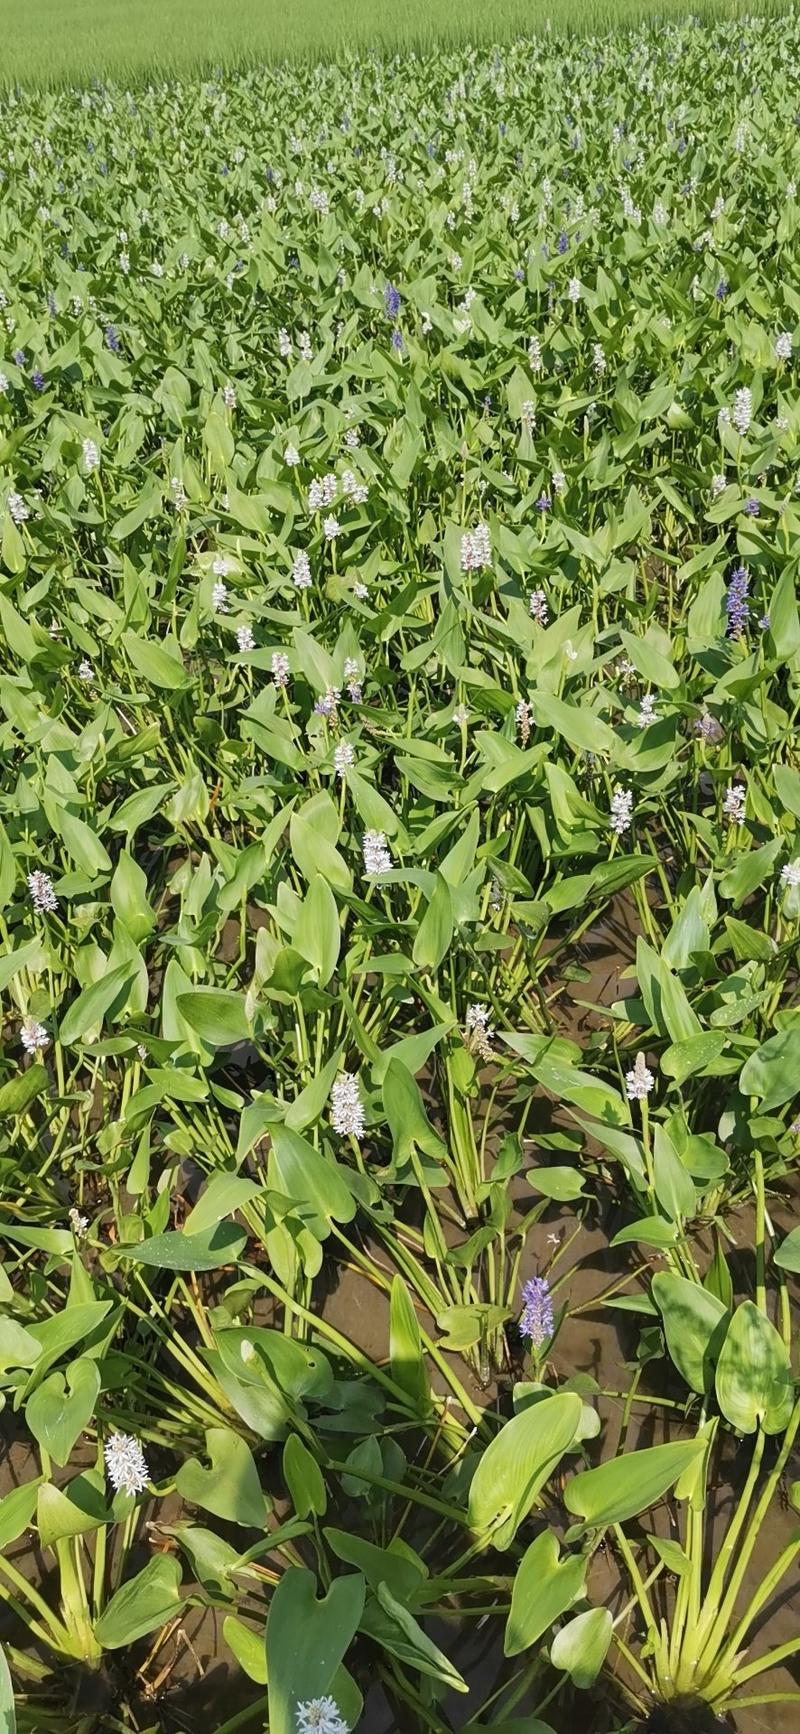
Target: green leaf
x=544 y=1587
x=672 y=1555
x=562 y=1184
x=307 y=1640
x=515 y=1466
x=718 y=1278
x=786 y=781
x=754 y=1376
x=787 y=1256
x=306 y=1108
x=749 y=872
x=159 y=661
x=89 y=1010
x=582 y=727
x=317 y=935
x=219 y=1245
x=404 y=1637
x=627 y=1485
x=230 y=1488
x=408 y=1122
x=588 y=1092
x=62 y=1406
x=664 y=996
x=396 y=1565
x=784 y=621
x=685 y=1059
x=80 y=841
x=695 y=1323
x=304 y=1478
x=248 y=1648
x=79 y=1509
x=142 y=1605
x=313 y=834
x=690 y=930
x=8 y=879
x=8 y=1715
x=62 y=1330
x=650 y=1230
x=649 y=662
x=299 y=1171
x=19 y=1092
x=581 y=1647
x=18 y=1347
x=218 y=1016
x=224 y=1194
x=211 y=1558
x=405 y=1347
x=128 y=891
x=773 y=1072
x=435 y=930
x=673 y=1184
x=16 y=1510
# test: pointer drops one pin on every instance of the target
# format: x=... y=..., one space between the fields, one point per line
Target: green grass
x=55 y=42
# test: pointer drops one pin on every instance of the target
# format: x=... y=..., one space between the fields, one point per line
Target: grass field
x=51 y=43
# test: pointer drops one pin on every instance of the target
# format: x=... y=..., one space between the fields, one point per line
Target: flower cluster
x=43 y=897
x=476 y=550
x=126 y=1464
x=377 y=859
x=734 y=803
x=479 y=1031
x=639 y=1080
x=536 y=1321
x=320 y=1716
x=621 y=816
x=347 y=1109
x=737 y=606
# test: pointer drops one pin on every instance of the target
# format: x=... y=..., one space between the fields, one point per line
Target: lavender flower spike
x=737 y=606
x=536 y=1322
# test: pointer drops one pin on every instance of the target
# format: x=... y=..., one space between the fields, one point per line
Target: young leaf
x=627 y=1485
x=544 y=1587
x=397 y=1630
x=581 y=1647
x=516 y=1464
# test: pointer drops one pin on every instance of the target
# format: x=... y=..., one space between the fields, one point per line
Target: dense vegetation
x=399 y=495
x=58 y=42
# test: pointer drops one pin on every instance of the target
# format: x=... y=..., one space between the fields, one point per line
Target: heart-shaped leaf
x=307 y=1640
x=62 y=1406
x=230 y=1488
x=544 y=1587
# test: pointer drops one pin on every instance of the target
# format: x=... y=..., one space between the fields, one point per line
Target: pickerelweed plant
x=695 y=1642
x=399 y=863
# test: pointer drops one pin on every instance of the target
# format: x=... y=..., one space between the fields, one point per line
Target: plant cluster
x=399 y=527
